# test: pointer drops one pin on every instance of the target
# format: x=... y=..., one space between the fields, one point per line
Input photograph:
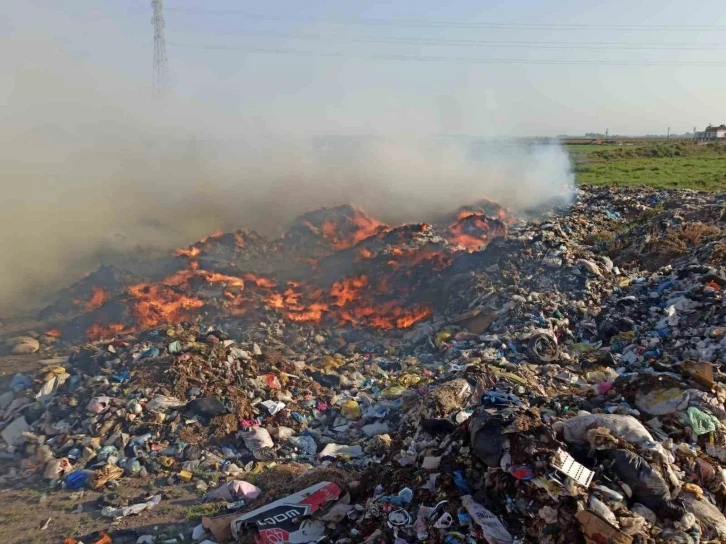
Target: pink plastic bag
x=98 y=405
x=235 y=490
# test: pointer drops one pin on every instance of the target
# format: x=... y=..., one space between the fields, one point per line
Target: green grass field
x=683 y=165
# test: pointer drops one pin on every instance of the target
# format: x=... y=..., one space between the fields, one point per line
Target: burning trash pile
x=483 y=380
x=335 y=266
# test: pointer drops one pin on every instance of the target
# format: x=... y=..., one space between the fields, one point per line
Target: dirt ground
x=26 y=506
x=23 y=511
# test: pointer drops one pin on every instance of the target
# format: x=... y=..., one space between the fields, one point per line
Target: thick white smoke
x=91 y=165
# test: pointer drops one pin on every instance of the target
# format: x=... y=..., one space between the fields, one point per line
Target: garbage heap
x=572 y=393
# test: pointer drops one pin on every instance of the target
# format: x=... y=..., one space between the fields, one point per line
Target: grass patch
x=599 y=237
x=677 y=241
x=77 y=528
x=207 y=475
x=689 y=166
x=650 y=213
x=66 y=504
x=175 y=492
x=718 y=255
x=198 y=511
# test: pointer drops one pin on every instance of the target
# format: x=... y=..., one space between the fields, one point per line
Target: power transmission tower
x=161 y=67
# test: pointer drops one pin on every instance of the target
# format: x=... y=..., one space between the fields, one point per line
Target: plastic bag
x=304 y=442
x=701 y=422
x=602 y=510
x=337 y=450
x=257 y=438
x=98 y=405
x=624 y=427
x=116 y=513
x=235 y=490
x=648 y=486
x=56 y=468
x=20 y=382
x=161 y=403
x=207 y=407
x=494 y=531
x=712 y=520
x=350 y=410
x=660 y=402
x=487 y=440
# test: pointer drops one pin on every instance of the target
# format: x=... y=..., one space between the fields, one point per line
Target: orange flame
x=214 y=277
x=313 y=313
x=156 y=304
x=261 y=281
x=353 y=300
x=275 y=300
x=238 y=240
x=215 y=235
x=362 y=225
x=309 y=225
x=364 y=253
x=98 y=298
x=386 y=316
x=348 y=290
x=190 y=252
x=473 y=230
x=99 y=332
x=181 y=277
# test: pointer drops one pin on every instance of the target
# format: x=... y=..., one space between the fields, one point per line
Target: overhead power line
x=472 y=60
x=440 y=24
x=480 y=43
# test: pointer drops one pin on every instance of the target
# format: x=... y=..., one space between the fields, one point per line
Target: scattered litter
x=482 y=379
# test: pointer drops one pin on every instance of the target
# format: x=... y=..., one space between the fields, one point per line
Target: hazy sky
x=327 y=66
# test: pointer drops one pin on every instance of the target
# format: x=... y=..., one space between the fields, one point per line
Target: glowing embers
x=473 y=230
x=333 y=267
x=97 y=299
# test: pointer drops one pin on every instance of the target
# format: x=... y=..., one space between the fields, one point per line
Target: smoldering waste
x=483 y=378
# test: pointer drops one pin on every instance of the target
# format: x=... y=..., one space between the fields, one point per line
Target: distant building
x=712 y=133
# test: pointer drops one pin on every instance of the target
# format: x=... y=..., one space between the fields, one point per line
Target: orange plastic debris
x=105 y=539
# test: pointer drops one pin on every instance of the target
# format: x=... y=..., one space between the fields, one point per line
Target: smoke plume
x=91 y=167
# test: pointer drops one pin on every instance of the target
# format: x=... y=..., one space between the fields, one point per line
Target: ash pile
x=556 y=380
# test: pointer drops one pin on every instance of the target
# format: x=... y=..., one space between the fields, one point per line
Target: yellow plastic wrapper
x=392 y=392
x=166 y=461
x=442 y=337
x=626 y=336
x=55 y=371
x=350 y=410
x=408 y=380
x=330 y=363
